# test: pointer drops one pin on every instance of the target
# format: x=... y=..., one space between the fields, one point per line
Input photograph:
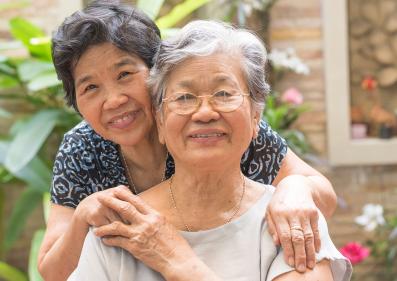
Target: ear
x=255 y=124
x=160 y=125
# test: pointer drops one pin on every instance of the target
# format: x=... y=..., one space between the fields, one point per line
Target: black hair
x=122 y=25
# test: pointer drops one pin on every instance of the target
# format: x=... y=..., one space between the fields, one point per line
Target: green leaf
x=168 y=32
x=13 y=4
x=150 y=7
x=46 y=205
x=26 y=203
x=30 y=138
x=35 y=174
x=8 y=82
x=10 y=273
x=34 y=274
x=6 y=69
x=31 y=35
x=43 y=81
x=179 y=12
x=30 y=69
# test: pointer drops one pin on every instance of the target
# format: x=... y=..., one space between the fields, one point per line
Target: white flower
x=372 y=217
x=288 y=59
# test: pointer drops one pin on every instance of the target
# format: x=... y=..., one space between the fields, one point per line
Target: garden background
x=291 y=29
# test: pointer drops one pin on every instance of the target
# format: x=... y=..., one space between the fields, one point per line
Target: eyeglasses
x=186 y=103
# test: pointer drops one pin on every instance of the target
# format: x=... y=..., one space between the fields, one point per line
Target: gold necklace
x=129 y=178
x=236 y=207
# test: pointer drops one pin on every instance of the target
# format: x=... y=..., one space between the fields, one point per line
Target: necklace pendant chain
x=129 y=177
x=237 y=207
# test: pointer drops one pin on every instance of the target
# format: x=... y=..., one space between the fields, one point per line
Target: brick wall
x=298 y=24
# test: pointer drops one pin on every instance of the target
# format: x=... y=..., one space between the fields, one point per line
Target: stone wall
x=298 y=24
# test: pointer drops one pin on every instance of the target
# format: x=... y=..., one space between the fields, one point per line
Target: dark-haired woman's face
x=111 y=94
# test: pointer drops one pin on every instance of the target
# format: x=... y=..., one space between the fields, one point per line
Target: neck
x=145 y=162
x=212 y=198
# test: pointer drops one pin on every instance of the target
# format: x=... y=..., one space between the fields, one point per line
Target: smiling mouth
x=214 y=135
x=124 y=119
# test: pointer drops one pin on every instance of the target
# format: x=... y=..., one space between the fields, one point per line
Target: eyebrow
x=121 y=63
x=125 y=61
x=217 y=79
x=83 y=80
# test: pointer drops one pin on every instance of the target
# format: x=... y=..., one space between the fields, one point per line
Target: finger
x=298 y=241
x=316 y=232
x=136 y=201
x=124 y=209
x=116 y=228
x=309 y=244
x=272 y=229
x=284 y=234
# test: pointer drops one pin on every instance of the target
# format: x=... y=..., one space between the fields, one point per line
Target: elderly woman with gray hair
x=208 y=87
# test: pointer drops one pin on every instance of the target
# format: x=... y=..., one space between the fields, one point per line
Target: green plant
x=281 y=115
x=27 y=150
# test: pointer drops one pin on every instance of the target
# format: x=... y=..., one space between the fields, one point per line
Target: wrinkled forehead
x=207 y=72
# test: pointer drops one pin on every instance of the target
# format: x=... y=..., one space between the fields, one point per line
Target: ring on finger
x=296 y=227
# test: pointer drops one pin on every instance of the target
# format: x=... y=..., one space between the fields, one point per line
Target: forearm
x=191 y=270
x=62 y=258
x=319 y=187
x=323 y=195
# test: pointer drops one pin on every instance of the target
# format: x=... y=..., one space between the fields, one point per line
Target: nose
x=114 y=99
x=205 y=112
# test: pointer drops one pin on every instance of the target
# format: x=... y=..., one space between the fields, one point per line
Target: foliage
x=383 y=244
x=26 y=151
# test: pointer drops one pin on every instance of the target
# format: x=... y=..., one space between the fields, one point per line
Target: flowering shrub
x=281 y=112
x=383 y=247
x=355 y=252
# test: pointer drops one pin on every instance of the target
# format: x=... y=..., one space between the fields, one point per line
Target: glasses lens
x=183 y=103
x=225 y=101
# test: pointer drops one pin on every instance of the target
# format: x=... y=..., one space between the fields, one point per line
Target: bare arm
x=321 y=189
x=322 y=272
x=60 y=251
x=65 y=234
x=292 y=213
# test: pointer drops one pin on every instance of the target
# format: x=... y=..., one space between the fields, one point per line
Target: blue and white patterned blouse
x=87 y=163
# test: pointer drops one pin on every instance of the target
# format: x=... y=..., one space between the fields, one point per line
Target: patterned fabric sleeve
x=67 y=188
x=262 y=160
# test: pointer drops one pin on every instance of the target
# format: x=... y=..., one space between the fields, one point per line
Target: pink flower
x=292 y=96
x=355 y=252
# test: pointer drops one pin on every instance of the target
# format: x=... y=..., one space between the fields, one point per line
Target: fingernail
x=274 y=239
x=301 y=267
x=291 y=261
x=310 y=264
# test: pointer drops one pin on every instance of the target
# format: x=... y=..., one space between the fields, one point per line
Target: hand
x=93 y=213
x=292 y=217
x=144 y=233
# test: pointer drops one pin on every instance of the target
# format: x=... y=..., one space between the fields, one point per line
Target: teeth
x=124 y=118
x=207 y=135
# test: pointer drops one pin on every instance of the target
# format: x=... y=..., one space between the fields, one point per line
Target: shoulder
x=262 y=160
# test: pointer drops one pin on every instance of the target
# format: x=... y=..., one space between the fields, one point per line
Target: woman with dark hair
x=103 y=55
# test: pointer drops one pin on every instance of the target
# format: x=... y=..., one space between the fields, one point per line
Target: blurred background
x=333 y=71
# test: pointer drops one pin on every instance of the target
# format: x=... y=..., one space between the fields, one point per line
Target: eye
x=123 y=74
x=222 y=94
x=90 y=87
x=184 y=97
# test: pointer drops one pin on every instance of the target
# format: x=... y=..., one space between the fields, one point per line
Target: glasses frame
x=201 y=97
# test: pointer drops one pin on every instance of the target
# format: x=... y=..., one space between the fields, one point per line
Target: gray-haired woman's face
x=208 y=136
